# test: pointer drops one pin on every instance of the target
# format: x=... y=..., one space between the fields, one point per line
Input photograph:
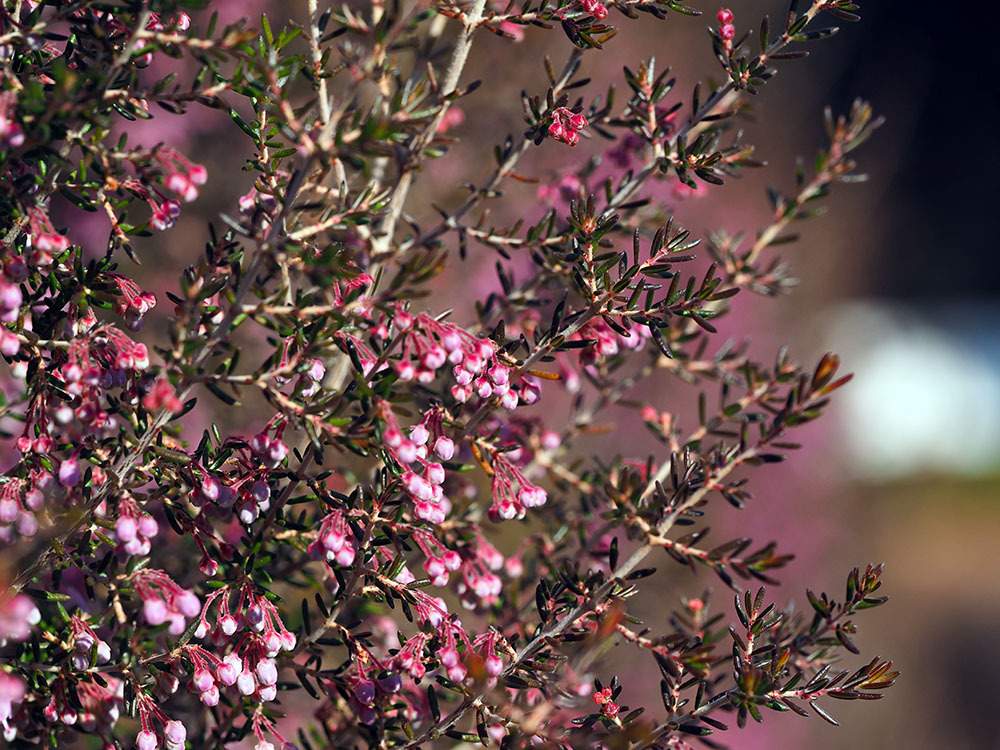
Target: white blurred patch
x=926 y=390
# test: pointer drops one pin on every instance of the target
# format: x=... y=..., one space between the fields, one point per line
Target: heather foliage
x=350 y=587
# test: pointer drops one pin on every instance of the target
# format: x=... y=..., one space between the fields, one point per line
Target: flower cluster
x=726 y=29
x=604 y=697
x=595 y=9
x=164 y=601
x=513 y=492
x=567 y=125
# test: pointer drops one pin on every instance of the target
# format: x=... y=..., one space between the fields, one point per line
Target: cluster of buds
x=513 y=492
x=566 y=125
x=183 y=177
x=335 y=542
x=134 y=528
x=479 y=585
x=164 y=600
x=85 y=642
x=19 y=501
x=174 y=733
x=424 y=486
x=254 y=615
x=451 y=635
x=180 y=22
x=429 y=344
x=178 y=174
x=372 y=681
x=102 y=359
x=258 y=208
x=165 y=210
x=161 y=395
x=94 y=707
x=487 y=647
x=439 y=561
x=245 y=490
x=133 y=303
x=251 y=667
x=604 y=697
x=410 y=658
x=44 y=238
x=594 y=8
x=270 y=451
x=607 y=342
x=726 y=29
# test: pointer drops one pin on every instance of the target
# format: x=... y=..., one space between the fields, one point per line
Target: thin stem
x=383 y=243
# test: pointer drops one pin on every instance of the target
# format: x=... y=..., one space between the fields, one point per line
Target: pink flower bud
x=407 y=452
x=435 y=473
x=155 y=611
x=203 y=680
x=10 y=296
x=188 y=604
x=147 y=740
x=211 y=696
x=227 y=624
x=434 y=567
x=174 y=732
x=125 y=528
x=246 y=683
x=267 y=672
x=148 y=526
x=69 y=472
x=419 y=435
x=228 y=671
x=452 y=560
x=197 y=174
x=725 y=16
x=445 y=448
x=494 y=665
x=345 y=556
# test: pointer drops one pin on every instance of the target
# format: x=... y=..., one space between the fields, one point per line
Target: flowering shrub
x=354 y=582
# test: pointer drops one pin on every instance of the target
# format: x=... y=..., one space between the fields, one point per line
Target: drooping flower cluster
x=163 y=601
x=257 y=635
x=513 y=492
